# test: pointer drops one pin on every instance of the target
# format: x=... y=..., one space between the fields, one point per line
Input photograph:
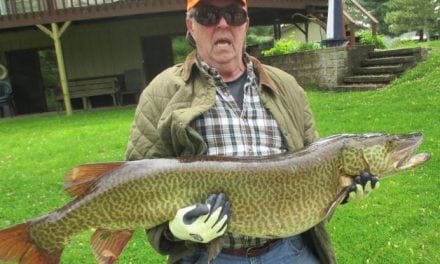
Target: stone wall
x=322 y=68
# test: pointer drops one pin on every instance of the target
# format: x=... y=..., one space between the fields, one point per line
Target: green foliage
x=181 y=49
x=366 y=38
x=289 y=45
x=411 y=15
x=259 y=36
x=50 y=75
x=378 y=9
x=403 y=44
x=282 y=46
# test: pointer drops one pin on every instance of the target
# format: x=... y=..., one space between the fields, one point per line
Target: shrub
x=289 y=45
x=366 y=38
x=181 y=48
x=399 y=43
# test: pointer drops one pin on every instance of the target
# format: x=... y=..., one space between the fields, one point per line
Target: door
x=157 y=55
x=26 y=81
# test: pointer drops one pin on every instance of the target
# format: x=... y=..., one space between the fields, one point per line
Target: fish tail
x=16 y=246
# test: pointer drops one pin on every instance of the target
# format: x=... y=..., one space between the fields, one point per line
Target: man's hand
x=362 y=187
x=202 y=222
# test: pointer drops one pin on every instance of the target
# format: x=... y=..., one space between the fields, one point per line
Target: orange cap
x=191 y=3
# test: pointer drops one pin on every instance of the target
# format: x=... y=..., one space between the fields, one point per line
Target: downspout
x=56 y=34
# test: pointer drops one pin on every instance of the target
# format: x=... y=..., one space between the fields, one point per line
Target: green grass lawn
x=399 y=223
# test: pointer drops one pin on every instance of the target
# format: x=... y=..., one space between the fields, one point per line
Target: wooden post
x=373 y=20
x=374 y=30
x=352 y=34
x=55 y=34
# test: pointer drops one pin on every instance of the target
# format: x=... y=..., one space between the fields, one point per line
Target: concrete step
x=371 y=78
x=358 y=87
x=394 y=69
x=388 y=61
x=395 y=52
x=379 y=69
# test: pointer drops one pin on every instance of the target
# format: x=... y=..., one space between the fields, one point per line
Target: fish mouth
x=403 y=156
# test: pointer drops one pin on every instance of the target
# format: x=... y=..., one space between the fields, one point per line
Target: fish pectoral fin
x=80 y=178
x=107 y=245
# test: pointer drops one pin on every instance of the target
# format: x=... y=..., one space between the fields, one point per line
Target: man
x=221 y=101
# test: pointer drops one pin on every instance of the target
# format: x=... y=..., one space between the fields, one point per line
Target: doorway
x=26 y=81
x=157 y=55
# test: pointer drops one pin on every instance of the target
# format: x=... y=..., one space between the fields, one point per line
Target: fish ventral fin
x=16 y=246
x=79 y=179
x=214 y=248
x=107 y=245
x=338 y=200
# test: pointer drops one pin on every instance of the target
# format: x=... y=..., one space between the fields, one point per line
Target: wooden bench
x=86 y=88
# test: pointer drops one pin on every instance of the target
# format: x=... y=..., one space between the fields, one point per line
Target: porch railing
x=356 y=14
x=14 y=7
x=19 y=13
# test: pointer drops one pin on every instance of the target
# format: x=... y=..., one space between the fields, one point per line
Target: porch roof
x=23 y=13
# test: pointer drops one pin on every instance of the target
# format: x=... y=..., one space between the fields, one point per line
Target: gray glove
x=362 y=187
x=202 y=222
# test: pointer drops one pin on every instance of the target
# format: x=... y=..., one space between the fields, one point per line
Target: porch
x=108 y=38
x=21 y=13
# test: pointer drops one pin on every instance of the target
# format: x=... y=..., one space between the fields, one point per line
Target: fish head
x=382 y=154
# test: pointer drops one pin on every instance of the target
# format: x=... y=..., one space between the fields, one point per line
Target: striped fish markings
x=272 y=197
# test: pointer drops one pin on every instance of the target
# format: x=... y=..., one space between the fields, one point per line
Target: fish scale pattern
x=271 y=197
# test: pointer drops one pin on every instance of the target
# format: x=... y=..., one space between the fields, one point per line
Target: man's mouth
x=222 y=42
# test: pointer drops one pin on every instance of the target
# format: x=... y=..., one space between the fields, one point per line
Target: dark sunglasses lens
x=207 y=15
x=234 y=16
x=210 y=15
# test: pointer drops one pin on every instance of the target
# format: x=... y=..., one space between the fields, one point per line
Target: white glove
x=202 y=222
x=362 y=186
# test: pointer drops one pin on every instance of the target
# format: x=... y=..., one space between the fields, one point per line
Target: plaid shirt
x=230 y=131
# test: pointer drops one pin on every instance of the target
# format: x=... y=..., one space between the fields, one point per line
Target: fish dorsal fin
x=107 y=245
x=80 y=178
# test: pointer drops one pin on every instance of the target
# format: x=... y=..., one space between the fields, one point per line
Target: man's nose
x=222 y=22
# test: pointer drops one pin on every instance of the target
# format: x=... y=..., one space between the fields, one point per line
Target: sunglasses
x=208 y=15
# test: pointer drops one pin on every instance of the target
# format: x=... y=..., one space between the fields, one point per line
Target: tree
x=259 y=35
x=378 y=9
x=411 y=15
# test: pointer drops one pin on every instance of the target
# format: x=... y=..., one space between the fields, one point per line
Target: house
x=303 y=33
x=102 y=38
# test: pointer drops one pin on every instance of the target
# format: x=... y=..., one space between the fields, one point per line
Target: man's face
x=221 y=43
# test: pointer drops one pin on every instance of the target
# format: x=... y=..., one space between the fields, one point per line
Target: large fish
x=271 y=197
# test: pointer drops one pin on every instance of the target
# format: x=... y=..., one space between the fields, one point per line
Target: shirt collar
x=265 y=80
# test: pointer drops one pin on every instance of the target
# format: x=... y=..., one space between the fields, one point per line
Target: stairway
x=380 y=68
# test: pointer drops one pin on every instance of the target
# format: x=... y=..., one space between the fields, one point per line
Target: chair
x=132 y=85
x=6 y=99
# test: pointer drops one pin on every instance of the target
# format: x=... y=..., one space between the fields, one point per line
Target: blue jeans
x=286 y=251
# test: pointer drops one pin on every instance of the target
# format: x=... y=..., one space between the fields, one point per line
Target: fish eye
x=391 y=142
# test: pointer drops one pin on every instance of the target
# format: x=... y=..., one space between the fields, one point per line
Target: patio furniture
x=133 y=85
x=88 y=87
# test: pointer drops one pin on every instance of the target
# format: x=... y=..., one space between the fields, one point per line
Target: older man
x=221 y=101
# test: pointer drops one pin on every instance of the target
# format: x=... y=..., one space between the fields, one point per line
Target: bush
x=181 y=48
x=289 y=45
x=366 y=38
x=399 y=43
